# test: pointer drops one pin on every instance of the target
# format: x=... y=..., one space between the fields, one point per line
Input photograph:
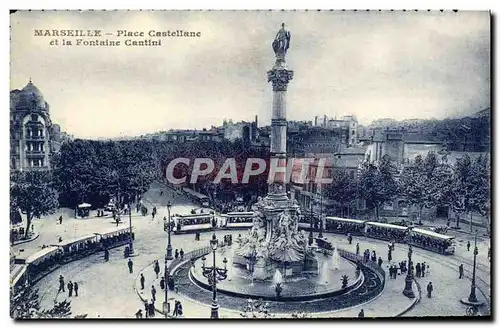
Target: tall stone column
x=279 y=76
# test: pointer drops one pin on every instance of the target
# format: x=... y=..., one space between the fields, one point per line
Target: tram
x=386 y=231
x=237 y=220
x=345 y=226
x=432 y=241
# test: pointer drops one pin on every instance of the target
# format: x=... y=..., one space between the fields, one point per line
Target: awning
x=196 y=194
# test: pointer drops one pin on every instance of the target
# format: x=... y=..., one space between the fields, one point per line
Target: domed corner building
x=33 y=136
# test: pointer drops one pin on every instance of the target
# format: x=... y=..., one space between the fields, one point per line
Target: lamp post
x=311 y=236
x=408 y=291
x=168 y=257
x=130 y=241
x=321 y=213
x=472 y=299
x=214 y=274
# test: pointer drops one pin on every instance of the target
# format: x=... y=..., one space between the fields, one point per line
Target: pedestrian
x=75 y=287
x=374 y=256
x=428 y=270
x=391 y=269
x=423 y=269
x=380 y=262
x=182 y=254
x=60 y=219
x=395 y=271
x=460 y=271
x=117 y=221
x=418 y=270
x=468 y=246
x=389 y=256
x=361 y=314
x=152 y=309
x=146 y=308
x=130 y=266
x=357 y=248
x=106 y=255
x=70 y=289
x=405 y=265
x=60 y=239
x=179 y=308
x=143 y=280
x=138 y=314
x=162 y=283
x=349 y=238
x=176 y=308
x=153 y=293
x=157 y=269
x=176 y=253
x=61 y=284
x=430 y=288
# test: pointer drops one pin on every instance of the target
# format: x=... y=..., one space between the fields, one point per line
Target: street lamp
x=168 y=257
x=408 y=291
x=311 y=236
x=214 y=274
x=321 y=214
x=472 y=299
x=130 y=242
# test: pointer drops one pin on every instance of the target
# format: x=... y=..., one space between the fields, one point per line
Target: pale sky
x=370 y=64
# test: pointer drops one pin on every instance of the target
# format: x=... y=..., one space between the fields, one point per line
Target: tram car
x=432 y=241
x=237 y=220
x=201 y=221
x=386 y=231
x=42 y=262
x=77 y=248
x=345 y=226
x=113 y=237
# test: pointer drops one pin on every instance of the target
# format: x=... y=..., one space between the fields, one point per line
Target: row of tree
x=463 y=187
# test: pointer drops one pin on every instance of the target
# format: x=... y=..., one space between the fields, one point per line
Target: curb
x=417 y=300
x=24 y=241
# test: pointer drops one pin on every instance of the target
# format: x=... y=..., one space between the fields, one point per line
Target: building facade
x=33 y=136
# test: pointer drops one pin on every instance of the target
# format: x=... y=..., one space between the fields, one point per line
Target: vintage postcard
x=250 y=164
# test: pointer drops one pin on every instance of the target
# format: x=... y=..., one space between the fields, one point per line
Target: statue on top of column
x=282 y=42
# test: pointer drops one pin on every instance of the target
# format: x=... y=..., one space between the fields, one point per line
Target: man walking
x=380 y=262
x=75 y=286
x=418 y=270
x=130 y=266
x=389 y=255
x=468 y=246
x=70 y=289
x=106 y=255
x=143 y=280
x=61 y=284
x=60 y=220
x=153 y=293
x=460 y=271
x=423 y=269
x=429 y=290
x=182 y=254
x=357 y=248
x=157 y=269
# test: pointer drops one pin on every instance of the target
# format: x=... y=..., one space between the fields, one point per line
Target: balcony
x=35 y=153
x=34 y=138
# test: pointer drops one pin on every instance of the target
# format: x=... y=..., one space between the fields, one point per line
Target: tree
x=417 y=180
x=25 y=304
x=377 y=183
x=442 y=188
x=481 y=190
x=462 y=200
x=342 y=190
x=33 y=194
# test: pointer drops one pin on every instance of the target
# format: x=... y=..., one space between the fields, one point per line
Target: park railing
x=189 y=256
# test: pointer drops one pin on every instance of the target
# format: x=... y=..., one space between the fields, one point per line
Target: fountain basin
x=307 y=286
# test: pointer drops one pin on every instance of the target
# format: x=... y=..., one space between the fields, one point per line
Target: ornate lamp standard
x=472 y=299
x=168 y=257
x=408 y=291
x=321 y=213
x=214 y=274
x=311 y=236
